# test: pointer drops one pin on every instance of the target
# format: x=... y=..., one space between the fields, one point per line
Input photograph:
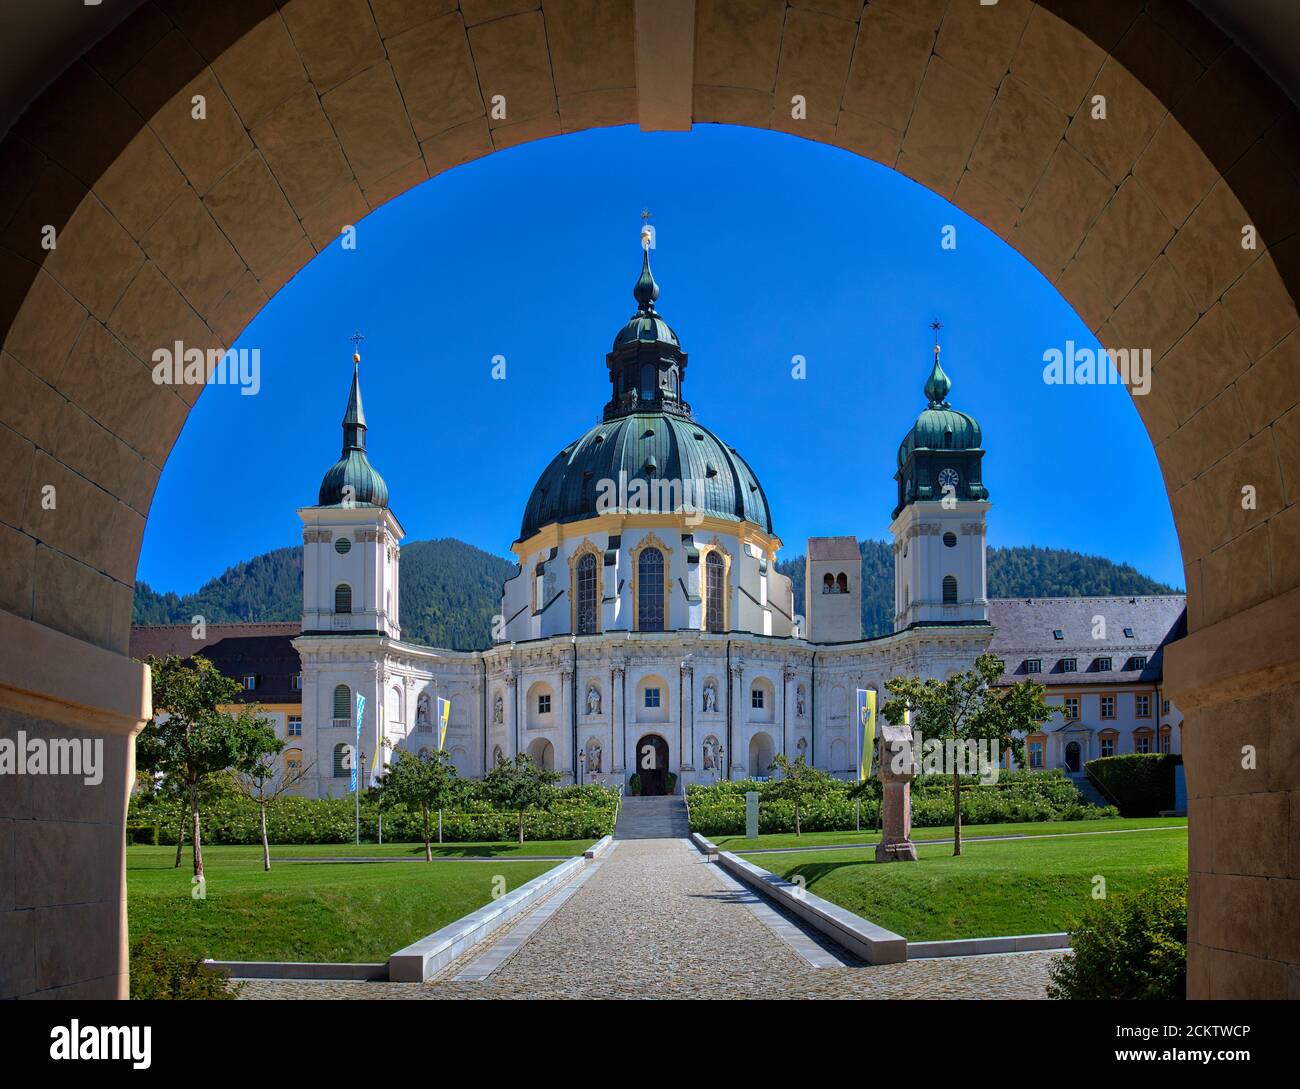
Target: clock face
x=948 y=478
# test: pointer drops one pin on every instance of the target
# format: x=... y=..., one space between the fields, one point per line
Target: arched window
x=828 y=584
x=650 y=590
x=714 y=592
x=342 y=760
x=841 y=583
x=342 y=598
x=343 y=702
x=950 y=589
x=586 y=594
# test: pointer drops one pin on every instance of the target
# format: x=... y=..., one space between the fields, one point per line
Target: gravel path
x=657 y=921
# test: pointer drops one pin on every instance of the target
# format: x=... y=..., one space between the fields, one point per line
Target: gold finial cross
x=936 y=325
x=645 y=214
x=356 y=339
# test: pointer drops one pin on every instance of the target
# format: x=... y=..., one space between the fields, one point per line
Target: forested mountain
x=1020 y=571
x=450 y=592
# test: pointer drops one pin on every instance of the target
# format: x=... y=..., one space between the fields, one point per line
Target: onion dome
x=647 y=434
x=940 y=426
x=352 y=480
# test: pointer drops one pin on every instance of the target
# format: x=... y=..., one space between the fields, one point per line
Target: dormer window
x=1033 y=665
x=250 y=681
x=1102 y=665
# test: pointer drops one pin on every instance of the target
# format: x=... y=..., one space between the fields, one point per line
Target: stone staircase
x=652 y=818
x=1085 y=786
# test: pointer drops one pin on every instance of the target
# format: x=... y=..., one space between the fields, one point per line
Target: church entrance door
x=1072 y=756
x=652 y=764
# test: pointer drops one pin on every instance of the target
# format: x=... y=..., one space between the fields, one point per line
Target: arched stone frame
x=950 y=580
x=651 y=540
x=839 y=702
x=1205 y=139
x=715 y=547
x=767 y=714
x=641 y=714
x=460 y=760
x=761 y=752
x=587 y=548
x=541 y=751
x=839 y=756
x=459 y=717
x=396 y=700
x=590 y=757
x=719 y=695
x=534 y=718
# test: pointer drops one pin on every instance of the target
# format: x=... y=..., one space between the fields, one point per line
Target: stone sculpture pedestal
x=897 y=769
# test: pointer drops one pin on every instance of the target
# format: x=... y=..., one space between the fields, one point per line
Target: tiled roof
x=236 y=650
x=1025 y=628
x=833 y=548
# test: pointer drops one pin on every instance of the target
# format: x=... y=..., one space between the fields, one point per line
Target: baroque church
x=647 y=630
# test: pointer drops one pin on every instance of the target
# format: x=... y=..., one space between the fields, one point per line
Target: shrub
x=1141 y=783
x=1132 y=945
x=144 y=834
x=159 y=971
x=634 y=783
x=578 y=813
x=719 y=808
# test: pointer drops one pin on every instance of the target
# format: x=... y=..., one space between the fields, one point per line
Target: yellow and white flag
x=444 y=716
x=866 y=730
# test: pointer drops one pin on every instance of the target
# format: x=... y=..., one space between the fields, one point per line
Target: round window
x=950 y=540
x=343 y=545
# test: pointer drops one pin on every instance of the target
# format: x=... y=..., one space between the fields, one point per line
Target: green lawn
x=313 y=911
x=1040 y=828
x=1026 y=886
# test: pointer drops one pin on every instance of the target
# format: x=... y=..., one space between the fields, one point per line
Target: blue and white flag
x=356 y=752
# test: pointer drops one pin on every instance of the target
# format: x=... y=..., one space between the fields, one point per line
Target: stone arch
x=541 y=711
x=316 y=114
x=760 y=701
x=761 y=754
x=542 y=753
x=653 y=700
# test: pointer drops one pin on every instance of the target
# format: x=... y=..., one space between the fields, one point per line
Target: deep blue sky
x=768 y=247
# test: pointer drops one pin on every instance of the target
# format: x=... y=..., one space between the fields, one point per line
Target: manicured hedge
x=586 y=812
x=1130 y=946
x=719 y=809
x=1141 y=783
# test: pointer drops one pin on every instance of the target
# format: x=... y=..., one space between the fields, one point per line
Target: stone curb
x=872 y=943
x=598 y=848
x=974 y=947
x=271 y=969
x=425 y=958
x=709 y=849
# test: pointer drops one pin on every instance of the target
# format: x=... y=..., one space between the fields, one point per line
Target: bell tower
x=940 y=570
x=351 y=540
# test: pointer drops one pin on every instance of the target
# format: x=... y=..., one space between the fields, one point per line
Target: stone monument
x=897 y=768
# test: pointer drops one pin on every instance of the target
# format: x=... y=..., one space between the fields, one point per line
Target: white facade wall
x=922 y=560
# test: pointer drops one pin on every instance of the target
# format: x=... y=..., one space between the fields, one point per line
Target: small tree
x=425 y=783
x=265 y=780
x=189 y=742
x=966 y=708
x=520 y=786
x=799 y=784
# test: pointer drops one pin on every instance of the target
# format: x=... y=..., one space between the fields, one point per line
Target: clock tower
x=940 y=573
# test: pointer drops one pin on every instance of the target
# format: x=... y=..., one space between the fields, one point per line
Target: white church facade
x=647 y=630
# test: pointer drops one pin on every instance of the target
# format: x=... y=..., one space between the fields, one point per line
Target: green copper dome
x=652 y=446
x=647 y=434
x=940 y=426
x=352 y=479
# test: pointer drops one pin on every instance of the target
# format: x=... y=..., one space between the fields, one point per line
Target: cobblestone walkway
x=657 y=921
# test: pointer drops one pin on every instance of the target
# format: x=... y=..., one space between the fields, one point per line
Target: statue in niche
x=801 y=748
x=422 y=710
x=497 y=755
x=799 y=702
x=710 y=697
x=710 y=753
x=593 y=699
x=594 y=754
x=498 y=709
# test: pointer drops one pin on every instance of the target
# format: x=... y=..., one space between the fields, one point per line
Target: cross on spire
x=356 y=339
x=936 y=325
